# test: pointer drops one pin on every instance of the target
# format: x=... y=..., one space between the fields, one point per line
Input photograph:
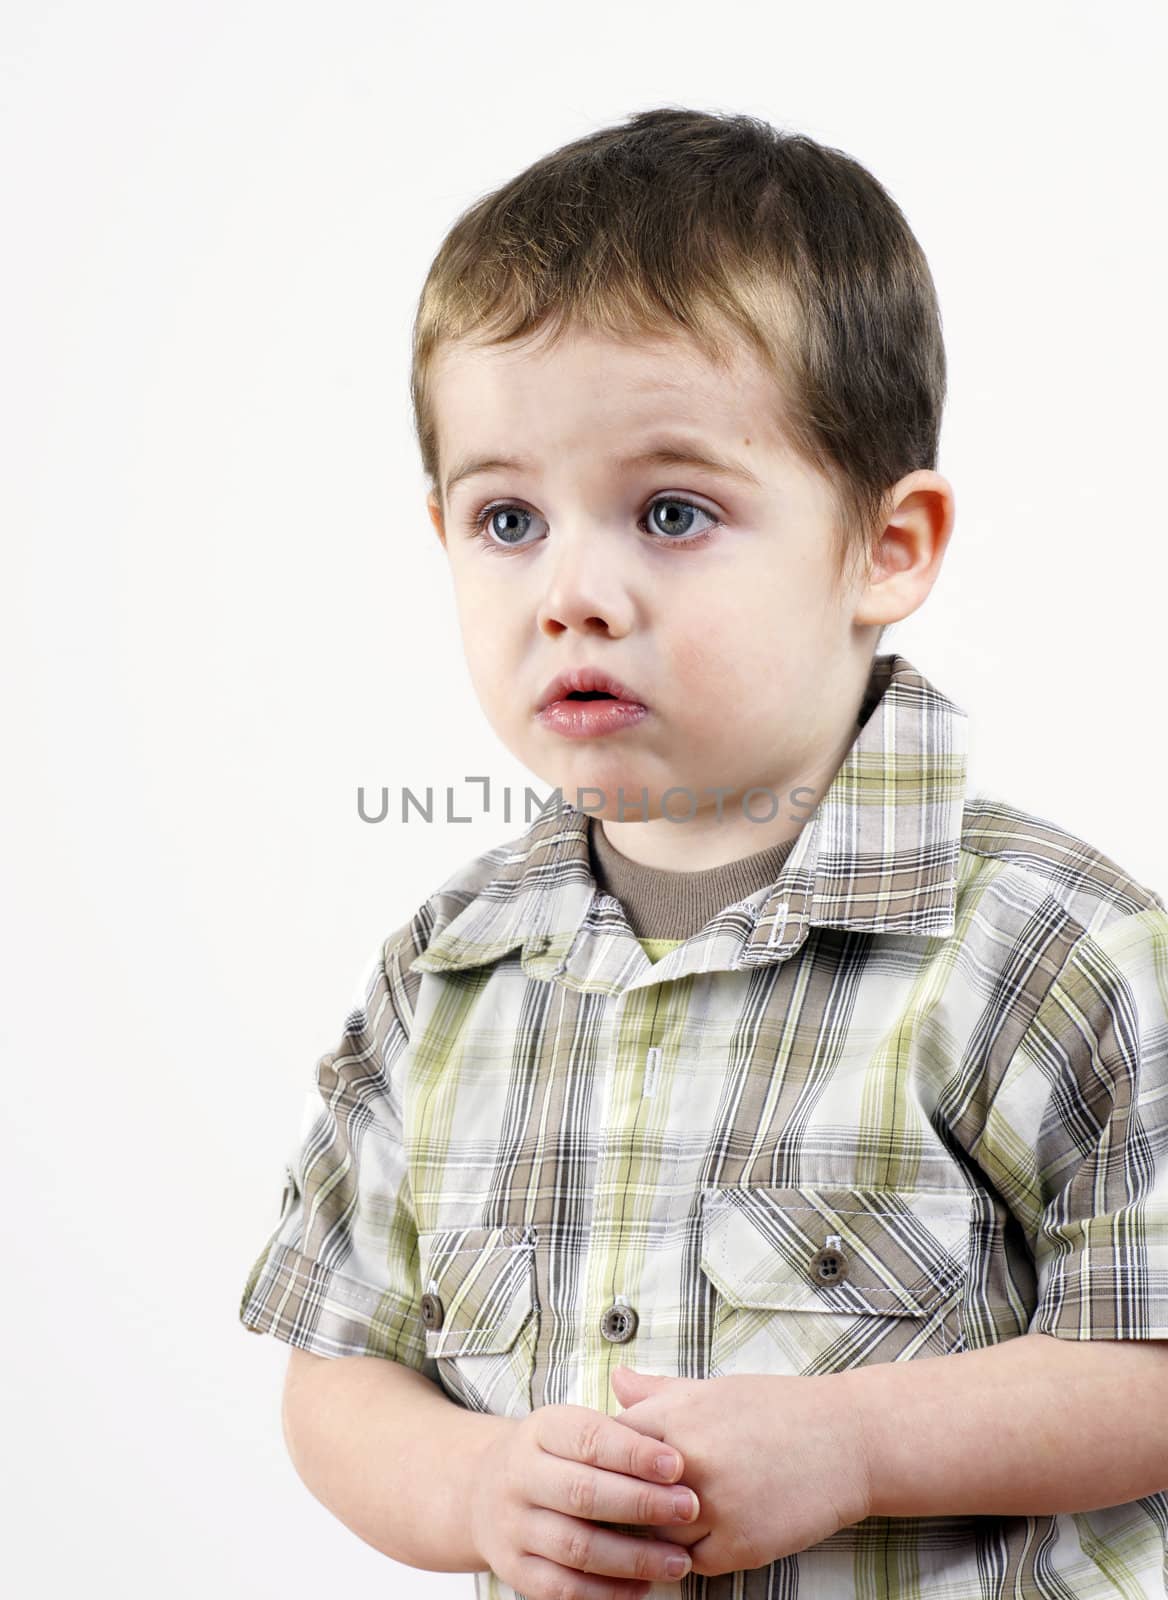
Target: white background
x=225 y=609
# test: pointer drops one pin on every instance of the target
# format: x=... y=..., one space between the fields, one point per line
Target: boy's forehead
x=591 y=386
x=637 y=365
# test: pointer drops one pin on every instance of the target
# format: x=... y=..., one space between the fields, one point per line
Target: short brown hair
x=688 y=221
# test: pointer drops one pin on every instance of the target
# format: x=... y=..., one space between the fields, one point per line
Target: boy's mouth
x=584 y=683
x=588 y=703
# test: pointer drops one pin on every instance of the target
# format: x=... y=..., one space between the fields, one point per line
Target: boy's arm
x=1026 y=1428
x=1072 y=1133
x=389 y=1454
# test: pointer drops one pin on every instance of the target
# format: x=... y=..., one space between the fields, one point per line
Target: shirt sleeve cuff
x=328 y=1313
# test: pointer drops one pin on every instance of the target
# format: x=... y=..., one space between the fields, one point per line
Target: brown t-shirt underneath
x=661 y=903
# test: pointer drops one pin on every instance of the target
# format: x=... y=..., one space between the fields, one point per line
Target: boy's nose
x=587 y=593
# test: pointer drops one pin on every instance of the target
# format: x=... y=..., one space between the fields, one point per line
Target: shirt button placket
x=633 y=1079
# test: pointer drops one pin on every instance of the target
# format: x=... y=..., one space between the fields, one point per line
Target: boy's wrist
x=477 y=1465
x=393 y=1456
x=854 y=1400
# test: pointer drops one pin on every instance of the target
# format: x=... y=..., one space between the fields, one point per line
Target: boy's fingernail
x=666 y=1465
x=685 y=1506
x=677 y=1566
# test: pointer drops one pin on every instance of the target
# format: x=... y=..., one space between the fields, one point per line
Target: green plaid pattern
x=937 y=1043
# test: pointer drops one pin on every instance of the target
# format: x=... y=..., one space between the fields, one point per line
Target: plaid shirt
x=911 y=1099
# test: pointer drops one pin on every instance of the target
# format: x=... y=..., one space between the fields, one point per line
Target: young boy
x=761 y=1160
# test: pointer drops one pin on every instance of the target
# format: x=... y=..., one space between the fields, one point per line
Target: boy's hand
x=778 y=1463
x=545 y=1486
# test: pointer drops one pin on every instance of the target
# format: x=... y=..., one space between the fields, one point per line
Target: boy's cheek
x=697 y=659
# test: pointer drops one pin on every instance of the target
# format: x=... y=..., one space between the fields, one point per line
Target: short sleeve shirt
x=907 y=1099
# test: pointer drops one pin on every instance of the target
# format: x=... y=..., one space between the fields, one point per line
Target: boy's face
x=743 y=645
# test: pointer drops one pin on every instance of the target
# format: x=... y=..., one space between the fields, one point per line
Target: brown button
x=619 y=1323
x=432 y=1312
x=830 y=1265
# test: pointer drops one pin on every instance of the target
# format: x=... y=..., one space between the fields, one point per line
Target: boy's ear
x=436 y=518
x=908 y=557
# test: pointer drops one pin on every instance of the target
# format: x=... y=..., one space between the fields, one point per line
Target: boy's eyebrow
x=668 y=452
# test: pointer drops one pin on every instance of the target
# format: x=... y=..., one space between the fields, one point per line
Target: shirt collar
x=877 y=855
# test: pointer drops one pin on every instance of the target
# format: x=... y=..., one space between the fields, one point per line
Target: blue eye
x=489 y=515
x=484 y=525
x=687 y=508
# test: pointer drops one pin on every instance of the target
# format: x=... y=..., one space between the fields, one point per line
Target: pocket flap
x=905 y=1249
x=483 y=1279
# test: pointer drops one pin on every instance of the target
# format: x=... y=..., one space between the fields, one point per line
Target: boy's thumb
x=627 y=1380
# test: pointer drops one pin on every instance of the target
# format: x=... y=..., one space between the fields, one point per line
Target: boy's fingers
x=580 y=1434
x=584 y=1546
x=537 y=1571
x=579 y=1489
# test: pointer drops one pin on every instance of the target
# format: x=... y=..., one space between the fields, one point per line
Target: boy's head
x=684 y=284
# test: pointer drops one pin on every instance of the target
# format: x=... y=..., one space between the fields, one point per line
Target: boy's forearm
x=1029 y=1427
x=390 y=1455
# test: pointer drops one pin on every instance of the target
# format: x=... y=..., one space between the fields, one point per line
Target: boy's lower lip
x=585 y=719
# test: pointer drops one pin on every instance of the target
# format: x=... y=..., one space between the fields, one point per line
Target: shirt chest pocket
x=479 y=1315
x=813 y=1279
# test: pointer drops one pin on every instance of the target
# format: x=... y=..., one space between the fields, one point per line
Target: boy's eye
x=678 y=517
x=502 y=525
